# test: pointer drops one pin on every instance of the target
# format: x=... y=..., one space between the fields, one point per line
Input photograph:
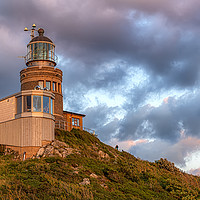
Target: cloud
x=126 y=145
x=195 y=171
x=132 y=51
x=162 y=149
x=100 y=118
x=166 y=121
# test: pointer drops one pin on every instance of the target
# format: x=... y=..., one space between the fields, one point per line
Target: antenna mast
x=32 y=30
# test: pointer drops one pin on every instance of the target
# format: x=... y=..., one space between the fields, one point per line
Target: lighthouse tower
x=28 y=118
x=41 y=72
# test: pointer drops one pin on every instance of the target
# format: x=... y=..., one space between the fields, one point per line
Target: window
x=75 y=122
x=35 y=53
x=59 y=87
x=51 y=106
x=36 y=103
x=45 y=51
x=31 y=51
x=54 y=86
x=49 y=50
x=40 y=51
x=48 y=85
x=19 y=105
x=45 y=104
x=41 y=84
x=27 y=103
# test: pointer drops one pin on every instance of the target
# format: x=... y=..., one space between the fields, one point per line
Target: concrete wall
x=27 y=131
x=8 y=109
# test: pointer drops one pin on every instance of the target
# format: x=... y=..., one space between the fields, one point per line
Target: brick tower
x=41 y=72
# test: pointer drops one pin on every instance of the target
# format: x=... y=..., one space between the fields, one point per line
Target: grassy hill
x=93 y=170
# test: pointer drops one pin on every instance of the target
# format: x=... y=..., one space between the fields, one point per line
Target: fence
x=67 y=126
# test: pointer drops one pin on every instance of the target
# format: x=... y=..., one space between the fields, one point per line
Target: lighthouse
x=41 y=72
x=28 y=119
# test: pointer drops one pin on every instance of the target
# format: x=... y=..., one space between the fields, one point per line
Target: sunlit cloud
x=126 y=145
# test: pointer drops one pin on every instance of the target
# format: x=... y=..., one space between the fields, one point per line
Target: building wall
x=58 y=106
x=24 y=132
x=68 y=121
x=30 y=151
x=29 y=85
x=7 y=109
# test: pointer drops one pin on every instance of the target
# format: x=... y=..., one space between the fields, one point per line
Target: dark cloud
x=164 y=122
x=101 y=45
x=99 y=118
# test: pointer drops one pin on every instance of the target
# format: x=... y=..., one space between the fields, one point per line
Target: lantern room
x=41 y=48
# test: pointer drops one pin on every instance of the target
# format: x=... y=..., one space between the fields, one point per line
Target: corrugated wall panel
x=26 y=131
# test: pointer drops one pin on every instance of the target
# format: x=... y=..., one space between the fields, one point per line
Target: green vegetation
x=112 y=175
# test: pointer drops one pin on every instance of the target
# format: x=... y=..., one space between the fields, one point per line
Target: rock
x=103 y=155
x=52 y=155
x=49 y=150
x=86 y=181
x=55 y=148
x=93 y=175
x=57 y=153
x=69 y=151
x=104 y=185
x=40 y=152
x=75 y=165
x=57 y=144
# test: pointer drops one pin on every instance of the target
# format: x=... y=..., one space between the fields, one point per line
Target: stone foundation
x=30 y=151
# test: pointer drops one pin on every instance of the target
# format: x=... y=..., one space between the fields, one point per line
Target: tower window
x=54 y=86
x=51 y=106
x=45 y=104
x=48 y=85
x=59 y=87
x=27 y=103
x=41 y=84
x=36 y=103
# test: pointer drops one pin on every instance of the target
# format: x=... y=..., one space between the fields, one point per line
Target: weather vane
x=32 y=36
x=32 y=30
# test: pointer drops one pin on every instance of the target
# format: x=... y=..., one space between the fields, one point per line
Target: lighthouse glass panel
x=45 y=104
x=45 y=51
x=35 y=51
x=41 y=51
x=36 y=103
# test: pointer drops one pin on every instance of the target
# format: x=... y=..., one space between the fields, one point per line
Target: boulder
x=103 y=155
x=93 y=175
x=40 y=152
x=86 y=181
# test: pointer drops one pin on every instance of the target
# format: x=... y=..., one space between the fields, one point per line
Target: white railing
x=63 y=125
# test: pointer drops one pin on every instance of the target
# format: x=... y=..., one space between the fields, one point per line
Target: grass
x=119 y=175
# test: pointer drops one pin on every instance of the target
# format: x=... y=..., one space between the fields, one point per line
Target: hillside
x=86 y=168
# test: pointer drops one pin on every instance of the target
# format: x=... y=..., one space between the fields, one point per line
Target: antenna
x=32 y=30
x=24 y=57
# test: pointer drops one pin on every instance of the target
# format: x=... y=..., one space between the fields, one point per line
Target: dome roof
x=41 y=37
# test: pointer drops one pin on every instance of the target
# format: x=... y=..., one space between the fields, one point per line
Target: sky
x=132 y=66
